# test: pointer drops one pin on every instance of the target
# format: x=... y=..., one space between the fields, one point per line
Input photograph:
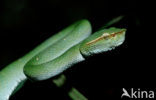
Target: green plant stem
x=73 y=93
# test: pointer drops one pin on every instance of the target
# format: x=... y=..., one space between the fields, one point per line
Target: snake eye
x=102 y=41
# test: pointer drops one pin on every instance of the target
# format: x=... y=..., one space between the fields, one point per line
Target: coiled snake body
x=56 y=54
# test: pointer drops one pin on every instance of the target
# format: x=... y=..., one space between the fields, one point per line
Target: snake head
x=103 y=40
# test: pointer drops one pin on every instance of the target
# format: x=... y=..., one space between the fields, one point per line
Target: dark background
x=26 y=23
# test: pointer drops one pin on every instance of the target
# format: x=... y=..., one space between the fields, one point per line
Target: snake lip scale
x=105 y=36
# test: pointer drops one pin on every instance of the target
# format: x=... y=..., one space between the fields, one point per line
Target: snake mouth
x=103 y=40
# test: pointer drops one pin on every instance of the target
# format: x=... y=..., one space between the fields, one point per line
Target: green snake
x=68 y=47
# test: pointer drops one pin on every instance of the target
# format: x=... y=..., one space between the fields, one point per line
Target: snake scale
x=68 y=47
